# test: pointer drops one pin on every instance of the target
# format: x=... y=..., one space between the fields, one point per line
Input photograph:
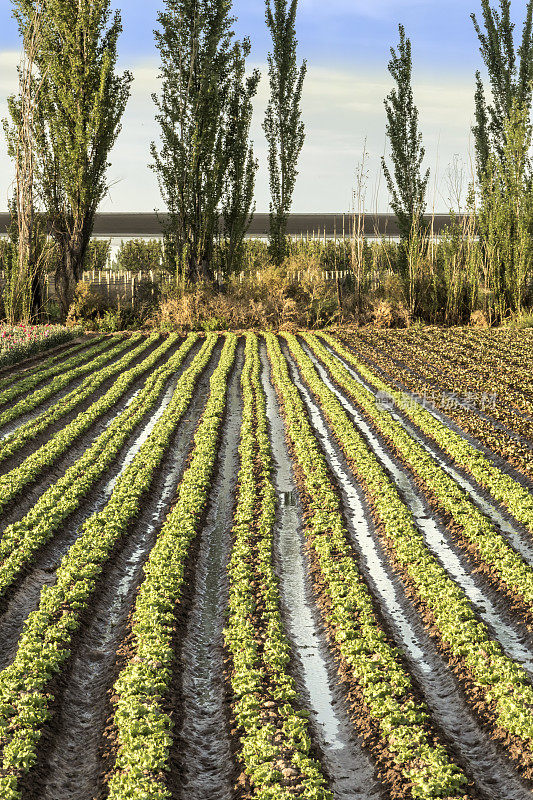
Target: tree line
x=66 y=117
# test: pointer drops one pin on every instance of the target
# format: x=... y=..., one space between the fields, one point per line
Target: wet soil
x=47 y=404
x=202 y=755
x=70 y=765
x=482 y=759
x=516 y=641
x=515 y=533
x=31 y=493
x=498 y=461
x=35 y=442
x=23 y=597
x=349 y=767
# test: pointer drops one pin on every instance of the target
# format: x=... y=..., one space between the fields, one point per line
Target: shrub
x=139 y=255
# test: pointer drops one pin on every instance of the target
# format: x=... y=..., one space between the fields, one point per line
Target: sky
x=347 y=46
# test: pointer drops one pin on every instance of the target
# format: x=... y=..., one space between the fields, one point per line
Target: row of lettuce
x=515 y=497
x=44 y=647
x=142 y=720
x=505 y=695
x=405 y=743
x=61 y=376
x=21 y=539
x=26 y=432
x=496 y=417
x=274 y=748
x=473 y=528
x=275 y=743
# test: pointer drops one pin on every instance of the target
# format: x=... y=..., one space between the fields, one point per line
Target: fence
x=123 y=286
x=114 y=286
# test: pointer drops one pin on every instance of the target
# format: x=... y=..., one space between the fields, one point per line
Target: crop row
x=75 y=367
x=22 y=538
x=12 y=482
x=460 y=372
x=476 y=530
x=500 y=440
x=25 y=433
x=506 y=695
x=516 y=349
x=476 y=360
x=142 y=721
x=272 y=730
x=502 y=487
x=404 y=741
x=43 y=366
x=45 y=644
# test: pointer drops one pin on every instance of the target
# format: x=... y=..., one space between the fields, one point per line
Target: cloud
x=341 y=108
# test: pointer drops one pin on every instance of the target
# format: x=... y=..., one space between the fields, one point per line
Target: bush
x=97 y=255
x=86 y=307
x=139 y=255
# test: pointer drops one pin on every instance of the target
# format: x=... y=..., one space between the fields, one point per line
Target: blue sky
x=346 y=44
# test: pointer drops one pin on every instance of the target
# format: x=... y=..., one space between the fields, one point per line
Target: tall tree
x=510 y=73
x=197 y=71
x=23 y=285
x=407 y=183
x=504 y=219
x=82 y=100
x=283 y=125
x=238 y=196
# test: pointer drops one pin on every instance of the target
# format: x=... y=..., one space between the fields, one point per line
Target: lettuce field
x=239 y=566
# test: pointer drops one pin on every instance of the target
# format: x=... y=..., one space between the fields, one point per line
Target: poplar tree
x=238 y=197
x=283 y=125
x=510 y=73
x=407 y=183
x=198 y=61
x=82 y=100
x=24 y=270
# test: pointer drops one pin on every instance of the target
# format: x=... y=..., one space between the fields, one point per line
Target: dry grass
x=271 y=301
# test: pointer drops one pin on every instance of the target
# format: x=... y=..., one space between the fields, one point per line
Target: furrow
x=144 y=718
x=70 y=764
x=517 y=499
x=502 y=565
x=501 y=684
x=22 y=539
x=349 y=768
x=24 y=685
x=396 y=726
x=480 y=757
x=29 y=433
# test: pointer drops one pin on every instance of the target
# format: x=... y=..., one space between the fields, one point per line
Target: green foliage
x=255 y=614
x=372 y=662
x=97 y=255
x=491 y=547
x=49 y=630
x=283 y=126
x=458 y=259
x=406 y=183
x=139 y=255
x=143 y=688
x=510 y=74
x=203 y=110
x=238 y=195
x=502 y=682
x=86 y=305
x=81 y=103
x=505 y=219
